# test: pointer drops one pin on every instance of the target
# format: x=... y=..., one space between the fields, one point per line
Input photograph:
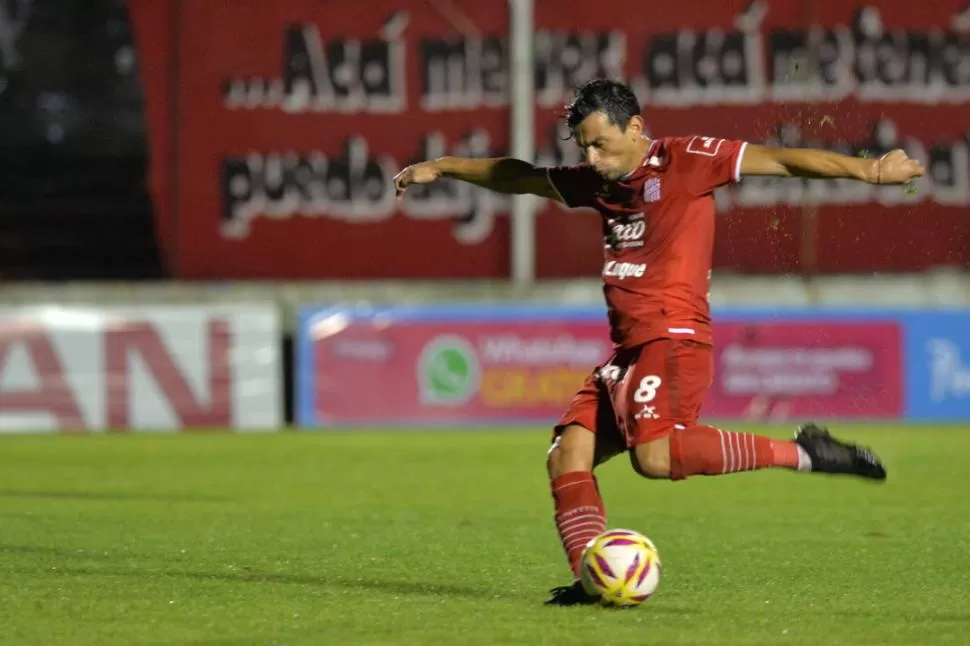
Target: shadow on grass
x=386 y=586
x=402 y=588
x=102 y=496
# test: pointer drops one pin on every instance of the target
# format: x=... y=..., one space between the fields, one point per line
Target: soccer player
x=657 y=208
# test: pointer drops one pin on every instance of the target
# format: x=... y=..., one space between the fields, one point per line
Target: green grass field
x=447 y=538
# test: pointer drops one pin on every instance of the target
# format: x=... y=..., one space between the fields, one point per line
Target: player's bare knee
x=573 y=450
x=652 y=460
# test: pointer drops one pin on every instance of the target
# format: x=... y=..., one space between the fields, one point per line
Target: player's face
x=612 y=152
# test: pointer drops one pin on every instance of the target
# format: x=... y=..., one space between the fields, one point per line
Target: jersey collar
x=652 y=158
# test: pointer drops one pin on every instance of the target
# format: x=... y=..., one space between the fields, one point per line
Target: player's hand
x=896 y=167
x=421 y=173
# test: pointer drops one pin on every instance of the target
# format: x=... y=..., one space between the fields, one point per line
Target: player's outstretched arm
x=892 y=168
x=499 y=174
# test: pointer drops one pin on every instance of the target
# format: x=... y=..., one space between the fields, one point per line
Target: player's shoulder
x=576 y=184
x=696 y=144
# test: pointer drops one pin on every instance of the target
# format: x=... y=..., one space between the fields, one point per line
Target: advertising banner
x=78 y=368
x=276 y=127
x=508 y=364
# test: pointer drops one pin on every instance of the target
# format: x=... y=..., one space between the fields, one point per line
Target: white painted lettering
x=623 y=270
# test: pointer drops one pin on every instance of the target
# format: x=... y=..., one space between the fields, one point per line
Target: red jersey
x=658 y=235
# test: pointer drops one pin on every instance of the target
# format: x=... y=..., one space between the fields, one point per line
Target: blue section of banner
x=937 y=355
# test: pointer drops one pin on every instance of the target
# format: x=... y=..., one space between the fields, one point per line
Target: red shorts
x=642 y=394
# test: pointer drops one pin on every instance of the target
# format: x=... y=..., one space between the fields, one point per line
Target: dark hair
x=612 y=98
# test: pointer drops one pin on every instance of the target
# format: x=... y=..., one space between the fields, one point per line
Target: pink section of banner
x=777 y=370
x=413 y=371
x=461 y=371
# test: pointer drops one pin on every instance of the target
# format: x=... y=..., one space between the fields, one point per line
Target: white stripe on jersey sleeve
x=737 y=162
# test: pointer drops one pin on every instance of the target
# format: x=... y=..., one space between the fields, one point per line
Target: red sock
x=580 y=516
x=705 y=450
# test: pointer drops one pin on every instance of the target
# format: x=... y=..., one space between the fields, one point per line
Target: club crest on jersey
x=651 y=190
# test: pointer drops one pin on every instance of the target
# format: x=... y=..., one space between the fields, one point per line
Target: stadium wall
x=275 y=128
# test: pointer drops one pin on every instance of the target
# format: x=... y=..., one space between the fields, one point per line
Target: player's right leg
x=661 y=403
x=700 y=449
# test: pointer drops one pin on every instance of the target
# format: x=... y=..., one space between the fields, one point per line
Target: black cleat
x=570 y=595
x=830 y=455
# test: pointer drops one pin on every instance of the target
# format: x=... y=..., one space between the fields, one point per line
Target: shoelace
x=865 y=455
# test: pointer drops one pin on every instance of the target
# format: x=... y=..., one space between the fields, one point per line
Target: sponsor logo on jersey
x=651 y=190
x=624 y=270
x=610 y=373
x=625 y=236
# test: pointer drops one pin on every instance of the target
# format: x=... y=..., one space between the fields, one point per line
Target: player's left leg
x=662 y=402
x=585 y=437
x=580 y=512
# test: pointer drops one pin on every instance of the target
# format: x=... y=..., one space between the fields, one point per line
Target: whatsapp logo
x=448 y=371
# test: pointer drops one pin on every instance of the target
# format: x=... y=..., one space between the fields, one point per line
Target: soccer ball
x=621 y=567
